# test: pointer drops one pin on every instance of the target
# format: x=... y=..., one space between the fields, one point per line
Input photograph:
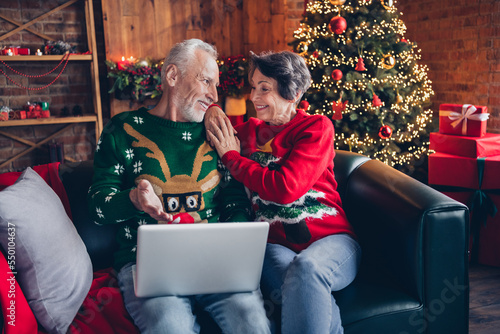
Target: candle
x=38 y=52
x=119 y=64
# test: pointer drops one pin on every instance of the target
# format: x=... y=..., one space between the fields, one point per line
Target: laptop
x=191 y=259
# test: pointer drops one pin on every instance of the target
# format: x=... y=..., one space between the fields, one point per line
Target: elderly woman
x=286 y=160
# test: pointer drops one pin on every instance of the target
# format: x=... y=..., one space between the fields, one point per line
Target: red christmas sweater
x=289 y=171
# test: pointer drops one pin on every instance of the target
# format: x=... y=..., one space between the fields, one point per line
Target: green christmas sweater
x=185 y=172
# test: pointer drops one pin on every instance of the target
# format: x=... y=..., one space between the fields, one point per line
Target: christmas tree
x=366 y=78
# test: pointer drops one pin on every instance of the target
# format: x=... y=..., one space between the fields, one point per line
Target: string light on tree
x=366 y=73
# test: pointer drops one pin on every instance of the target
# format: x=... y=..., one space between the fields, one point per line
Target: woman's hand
x=144 y=199
x=214 y=117
x=223 y=138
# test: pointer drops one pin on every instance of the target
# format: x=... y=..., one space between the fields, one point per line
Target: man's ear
x=172 y=74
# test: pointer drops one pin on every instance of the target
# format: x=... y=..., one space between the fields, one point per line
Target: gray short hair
x=182 y=54
x=287 y=68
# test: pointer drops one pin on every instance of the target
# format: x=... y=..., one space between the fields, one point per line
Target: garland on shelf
x=64 y=60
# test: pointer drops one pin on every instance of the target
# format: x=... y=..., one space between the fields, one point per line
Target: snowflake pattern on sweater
x=175 y=158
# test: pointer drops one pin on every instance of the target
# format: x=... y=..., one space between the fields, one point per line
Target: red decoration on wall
x=65 y=59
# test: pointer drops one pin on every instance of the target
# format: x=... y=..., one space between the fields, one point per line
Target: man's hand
x=144 y=199
x=214 y=118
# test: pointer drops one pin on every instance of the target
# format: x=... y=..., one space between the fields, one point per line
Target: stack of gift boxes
x=30 y=110
x=466 y=167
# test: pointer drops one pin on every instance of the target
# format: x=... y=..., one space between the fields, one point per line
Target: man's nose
x=212 y=93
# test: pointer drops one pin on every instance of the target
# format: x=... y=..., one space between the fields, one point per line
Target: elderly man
x=155 y=166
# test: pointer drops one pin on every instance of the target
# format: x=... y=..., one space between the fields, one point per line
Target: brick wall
x=294 y=11
x=72 y=89
x=460 y=42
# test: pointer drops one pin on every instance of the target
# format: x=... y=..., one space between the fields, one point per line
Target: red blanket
x=102 y=311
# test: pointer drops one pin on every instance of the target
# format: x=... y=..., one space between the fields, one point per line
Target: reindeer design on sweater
x=178 y=193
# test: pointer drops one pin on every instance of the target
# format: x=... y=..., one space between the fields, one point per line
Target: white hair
x=182 y=55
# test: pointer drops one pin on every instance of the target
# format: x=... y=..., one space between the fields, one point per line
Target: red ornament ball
x=337 y=25
x=385 y=132
x=337 y=74
x=304 y=105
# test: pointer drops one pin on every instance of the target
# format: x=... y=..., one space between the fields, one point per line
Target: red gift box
x=33 y=114
x=474 y=182
x=23 y=51
x=18 y=114
x=464 y=120
x=12 y=49
x=45 y=113
x=4 y=116
x=472 y=147
x=451 y=170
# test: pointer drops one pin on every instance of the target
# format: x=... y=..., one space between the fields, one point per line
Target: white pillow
x=53 y=267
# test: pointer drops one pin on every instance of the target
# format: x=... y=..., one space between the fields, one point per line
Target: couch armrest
x=416 y=237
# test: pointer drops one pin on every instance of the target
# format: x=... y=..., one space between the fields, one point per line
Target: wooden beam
x=39 y=34
x=41 y=17
x=37 y=145
x=17 y=138
x=94 y=69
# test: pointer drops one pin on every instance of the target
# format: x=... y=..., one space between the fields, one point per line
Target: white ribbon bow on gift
x=468 y=111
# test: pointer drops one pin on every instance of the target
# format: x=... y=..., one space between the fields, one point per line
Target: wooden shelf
x=87 y=57
x=69 y=122
x=49 y=120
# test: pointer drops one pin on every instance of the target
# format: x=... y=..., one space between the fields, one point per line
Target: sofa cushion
x=52 y=264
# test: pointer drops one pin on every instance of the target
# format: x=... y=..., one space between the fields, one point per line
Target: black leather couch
x=414 y=272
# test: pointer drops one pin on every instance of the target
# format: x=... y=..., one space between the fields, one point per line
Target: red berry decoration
x=316 y=54
x=304 y=105
x=337 y=75
x=337 y=25
x=385 y=132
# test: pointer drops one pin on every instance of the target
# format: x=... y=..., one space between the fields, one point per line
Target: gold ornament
x=399 y=99
x=302 y=48
x=388 y=62
x=337 y=2
x=387 y=4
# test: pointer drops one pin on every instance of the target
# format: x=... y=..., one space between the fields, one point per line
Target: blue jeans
x=302 y=283
x=233 y=312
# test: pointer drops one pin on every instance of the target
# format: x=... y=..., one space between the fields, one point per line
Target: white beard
x=193 y=115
